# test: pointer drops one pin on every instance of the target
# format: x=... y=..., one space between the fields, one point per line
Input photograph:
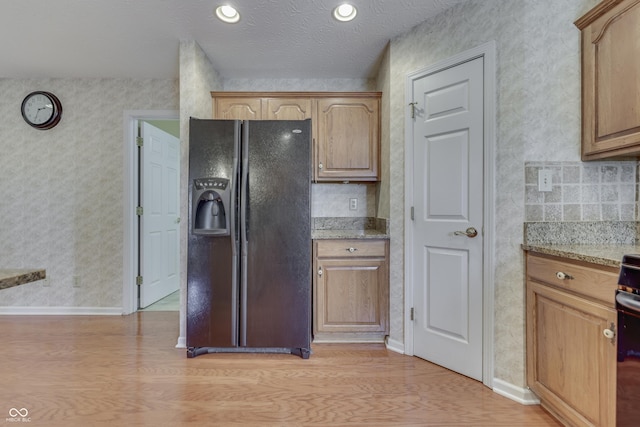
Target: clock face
x=41 y=110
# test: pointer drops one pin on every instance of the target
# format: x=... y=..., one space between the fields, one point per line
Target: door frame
x=130 y=200
x=488 y=52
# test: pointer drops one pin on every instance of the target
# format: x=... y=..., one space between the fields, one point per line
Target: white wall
x=537 y=118
x=61 y=198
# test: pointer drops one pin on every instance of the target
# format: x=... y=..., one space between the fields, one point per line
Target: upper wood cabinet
x=286 y=109
x=611 y=80
x=240 y=108
x=345 y=126
x=348 y=139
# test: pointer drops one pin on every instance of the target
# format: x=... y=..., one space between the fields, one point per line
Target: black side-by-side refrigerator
x=249 y=244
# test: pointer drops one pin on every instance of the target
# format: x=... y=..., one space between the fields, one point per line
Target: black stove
x=628 y=350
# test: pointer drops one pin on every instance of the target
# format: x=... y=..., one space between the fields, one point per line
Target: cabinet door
x=571 y=365
x=287 y=108
x=350 y=296
x=610 y=70
x=238 y=108
x=347 y=139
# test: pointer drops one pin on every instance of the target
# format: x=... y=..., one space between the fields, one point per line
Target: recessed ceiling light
x=228 y=14
x=345 y=12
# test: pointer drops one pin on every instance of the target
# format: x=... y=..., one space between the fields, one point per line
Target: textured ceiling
x=140 y=38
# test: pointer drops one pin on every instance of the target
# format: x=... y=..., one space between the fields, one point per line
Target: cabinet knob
x=563 y=276
x=610 y=333
x=352 y=250
x=320 y=271
x=320 y=166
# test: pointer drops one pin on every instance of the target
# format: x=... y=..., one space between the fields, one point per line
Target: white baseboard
x=394 y=345
x=521 y=395
x=62 y=311
x=182 y=342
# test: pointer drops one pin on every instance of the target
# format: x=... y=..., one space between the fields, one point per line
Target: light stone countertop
x=10 y=277
x=604 y=254
x=348 y=234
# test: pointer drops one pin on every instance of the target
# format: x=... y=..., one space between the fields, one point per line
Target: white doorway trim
x=130 y=193
x=488 y=52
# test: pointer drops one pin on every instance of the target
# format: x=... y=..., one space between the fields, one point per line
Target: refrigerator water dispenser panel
x=211 y=199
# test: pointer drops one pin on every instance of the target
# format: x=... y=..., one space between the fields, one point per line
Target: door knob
x=469 y=232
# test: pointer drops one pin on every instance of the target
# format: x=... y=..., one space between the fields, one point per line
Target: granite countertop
x=348 y=234
x=598 y=242
x=324 y=228
x=603 y=254
x=10 y=277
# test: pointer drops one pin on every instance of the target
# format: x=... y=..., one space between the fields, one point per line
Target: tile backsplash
x=333 y=200
x=594 y=191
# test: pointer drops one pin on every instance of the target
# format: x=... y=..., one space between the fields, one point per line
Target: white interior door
x=448 y=201
x=159 y=223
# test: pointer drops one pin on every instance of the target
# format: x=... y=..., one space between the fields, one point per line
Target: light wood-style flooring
x=125 y=371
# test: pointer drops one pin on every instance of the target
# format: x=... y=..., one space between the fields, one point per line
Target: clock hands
x=42 y=108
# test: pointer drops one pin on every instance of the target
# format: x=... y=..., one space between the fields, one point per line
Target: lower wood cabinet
x=351 y=290
x=571 y=364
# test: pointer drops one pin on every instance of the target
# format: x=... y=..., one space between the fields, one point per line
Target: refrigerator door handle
x=235 y=182
x=244 y=233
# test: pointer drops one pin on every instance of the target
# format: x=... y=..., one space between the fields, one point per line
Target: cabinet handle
x=352 y=250
x=563 y=276
x=320 y=271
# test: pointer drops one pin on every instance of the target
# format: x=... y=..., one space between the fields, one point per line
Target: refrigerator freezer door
x=276 y=296
x=212 y=266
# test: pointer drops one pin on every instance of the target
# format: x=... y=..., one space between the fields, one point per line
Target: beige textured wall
x=537 y=113
x=61 y=190
x=197 y=79
x=384 y=85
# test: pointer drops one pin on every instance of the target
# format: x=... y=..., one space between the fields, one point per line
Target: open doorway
x=151 y=270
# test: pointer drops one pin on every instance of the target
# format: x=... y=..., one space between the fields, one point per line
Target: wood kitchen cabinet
x=254 y=107
x=611 y=80
x=571 y=364
x=286 y=108
x=345 y=126
x=350 y=290
x=237 y=108
x=347 y=140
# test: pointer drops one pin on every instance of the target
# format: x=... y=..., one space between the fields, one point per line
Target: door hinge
x=411 y=315
x=412 y=213
x=139 y=141
x=413 y=109
x=138 y=280
x=139 y=210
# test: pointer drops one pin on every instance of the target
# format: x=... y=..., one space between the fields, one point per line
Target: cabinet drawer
x=351 y=248
x=590 y=282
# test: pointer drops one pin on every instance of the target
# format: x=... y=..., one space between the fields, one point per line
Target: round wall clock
x=42 y=110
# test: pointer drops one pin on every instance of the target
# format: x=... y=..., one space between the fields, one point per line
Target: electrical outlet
x=76 y=281
x=46 y=282
x=545 y=180
x=353 y=204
